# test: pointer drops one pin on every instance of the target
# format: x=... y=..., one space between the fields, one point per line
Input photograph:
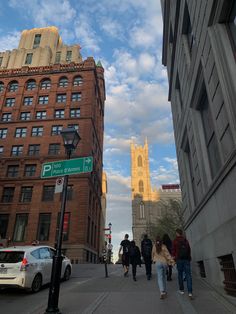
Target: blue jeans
x=183 y=266
x=161 y=276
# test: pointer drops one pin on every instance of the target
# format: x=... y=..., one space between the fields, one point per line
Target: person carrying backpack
x=125 y=247
x=146 y=251
x=135 y=258
x=181 y=252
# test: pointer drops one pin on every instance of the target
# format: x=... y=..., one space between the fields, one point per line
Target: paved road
x=89 y=292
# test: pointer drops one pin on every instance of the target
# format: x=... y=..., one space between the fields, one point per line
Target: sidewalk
x=116 y=294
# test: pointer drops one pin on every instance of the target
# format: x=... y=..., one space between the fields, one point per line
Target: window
x=4 y=219
x=1 y=86
x=41 y=115
x=20 y=132
x=56 y=129
x=58 y=57
x=43 y=100
x=37 y=39
x=54 y=149
x=3 y=133
x=59 y=113
x=10 y=102
x=25 y=116
x=26 y=194
x=37 y=131
x=30 y=85
x=63 y=82
x=34 y=149
x=61 y=98
x=68 y=56
x=66 y=225
x=17 y=150
x=232 y=25
x=20 y=226
x=1 y=58
x=44 y=227
x=7 y=195
x=78 y=81
x=1 y=150
x=140 y=162
x=12 y=171
x=48 y=193
x=6 y=117
x=28 y=101
x=140 y=186
x=13 y=86
x=73 y=126
x=28 y=59
x=45 y=84
x=75 y=113
x=210 y=136
x=187 y=29
x=141 y=211
x=30 y=170
x=76 y=97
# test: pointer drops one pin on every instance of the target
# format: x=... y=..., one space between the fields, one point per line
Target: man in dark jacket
x=146 y=251
x=181 y=252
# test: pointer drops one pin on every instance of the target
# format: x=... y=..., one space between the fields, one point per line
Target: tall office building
x=199 y=52
x=44 y=87
x=146 y=201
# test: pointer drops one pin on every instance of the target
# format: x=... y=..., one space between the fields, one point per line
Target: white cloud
x=9 y=41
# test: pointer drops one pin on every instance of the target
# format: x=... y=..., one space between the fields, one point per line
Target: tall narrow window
x=232 y=26
x=28 y=59
x=26 y=194
x=58 y=57
x=140 y=186
x=68 y=56
x=140 y=162
x=20 y=227
x=4 y=219
x=1 y=86
x=37 y=39
x=1 y=58
x=187 y=29
x=44 y=227
x=141 y=210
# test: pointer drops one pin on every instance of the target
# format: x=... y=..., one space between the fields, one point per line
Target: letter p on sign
x=59 y=185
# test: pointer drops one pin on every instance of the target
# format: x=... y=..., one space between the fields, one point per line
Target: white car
x=29 y=267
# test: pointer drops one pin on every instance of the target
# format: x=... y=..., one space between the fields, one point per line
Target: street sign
x=59 y=185
x=66 y=167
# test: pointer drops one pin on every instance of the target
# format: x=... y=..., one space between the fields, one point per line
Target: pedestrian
x=168 y=243
x=162 y=258
x=181 y=252
x=125 y=248
x=146 y=251
x=135 y=258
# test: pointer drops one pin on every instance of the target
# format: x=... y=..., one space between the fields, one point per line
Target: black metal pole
x=54 y=289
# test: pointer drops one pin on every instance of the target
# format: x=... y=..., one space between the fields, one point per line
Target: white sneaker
x=181 y=291
x=190 y=296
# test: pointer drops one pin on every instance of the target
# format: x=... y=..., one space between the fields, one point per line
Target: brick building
x=44 y=87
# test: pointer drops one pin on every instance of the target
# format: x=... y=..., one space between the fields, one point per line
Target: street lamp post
x=109 y=245
x=71 y=139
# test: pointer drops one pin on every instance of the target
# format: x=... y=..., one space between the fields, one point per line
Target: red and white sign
x=59 y=185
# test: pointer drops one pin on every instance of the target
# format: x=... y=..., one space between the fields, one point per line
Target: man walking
x=146 y=251
x=182 y=254
x=125 y=247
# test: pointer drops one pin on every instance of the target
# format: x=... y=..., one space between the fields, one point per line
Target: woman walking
x=162 y=258
x=135 y=258
x=168 y=243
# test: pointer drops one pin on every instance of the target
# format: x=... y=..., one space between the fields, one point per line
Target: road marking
x=92 y=307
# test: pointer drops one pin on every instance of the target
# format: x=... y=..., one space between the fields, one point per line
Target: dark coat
x=135 y=255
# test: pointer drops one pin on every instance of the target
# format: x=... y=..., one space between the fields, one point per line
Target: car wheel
x=37 y=283
x=67 y=273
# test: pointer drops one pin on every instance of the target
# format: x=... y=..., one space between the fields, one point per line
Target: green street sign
x=67 y=167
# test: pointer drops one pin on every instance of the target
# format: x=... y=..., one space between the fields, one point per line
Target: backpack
x=183 y=250
x=147 y=247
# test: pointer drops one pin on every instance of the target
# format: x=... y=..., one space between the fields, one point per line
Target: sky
x=126 y=35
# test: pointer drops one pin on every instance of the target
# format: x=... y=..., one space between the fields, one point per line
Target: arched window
x=1 y=87
x=141 y=210
x=30 y=84
x=13 y=86
x=45 y=84
x=140 y=186
x=140 y=162
x=78 y=81
x=63 y=82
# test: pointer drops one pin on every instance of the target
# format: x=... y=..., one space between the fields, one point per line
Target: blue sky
x=126 y=35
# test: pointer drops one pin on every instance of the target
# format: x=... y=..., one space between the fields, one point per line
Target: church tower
x=142 y=194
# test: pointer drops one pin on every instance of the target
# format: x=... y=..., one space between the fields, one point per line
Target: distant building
x=44 y=87
x=199 y=47
x=146 y=201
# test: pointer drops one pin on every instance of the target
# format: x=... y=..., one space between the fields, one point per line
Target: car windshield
x=11 y=256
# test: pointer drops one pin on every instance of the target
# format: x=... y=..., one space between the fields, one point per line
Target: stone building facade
x=199 y=52
x=146 y=201
x=39 y=96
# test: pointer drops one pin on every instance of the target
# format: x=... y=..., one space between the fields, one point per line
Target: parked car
x=29 y=267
